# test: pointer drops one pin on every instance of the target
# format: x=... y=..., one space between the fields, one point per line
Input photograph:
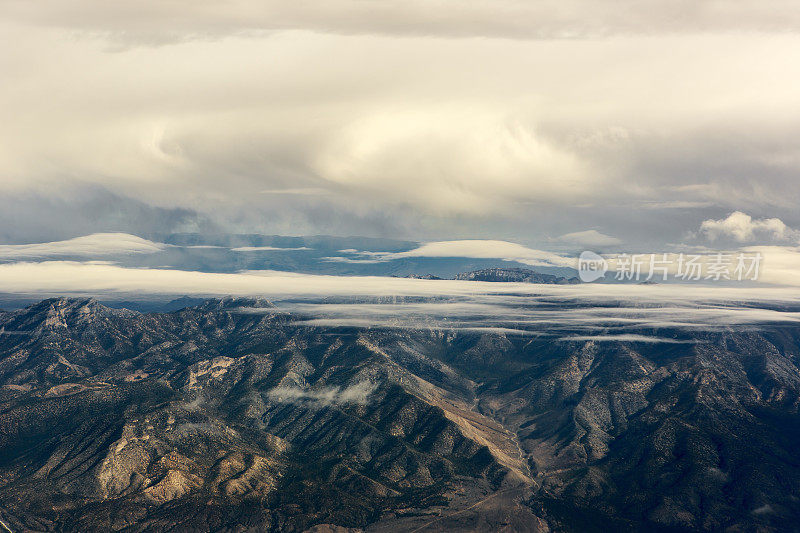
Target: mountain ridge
x=514 y=275
x=217 y=419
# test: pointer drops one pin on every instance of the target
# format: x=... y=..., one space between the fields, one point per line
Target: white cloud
x=562 y=310
x=325 y=396
x=399 y=321
x=589 y=238
x=776 y=265
x=743 y=228
x=266 y=248
x=486 y=249
x=464 y=157
x=554 y=313
x=470 y=248
x=764 y=509
x=630 y=337
x=781 y=264
x=67 y=277
x=88 y=246
x=350 y=260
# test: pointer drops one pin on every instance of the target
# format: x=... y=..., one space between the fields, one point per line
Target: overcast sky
x=624 y=124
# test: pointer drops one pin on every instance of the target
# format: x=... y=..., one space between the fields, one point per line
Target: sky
x=633 y=125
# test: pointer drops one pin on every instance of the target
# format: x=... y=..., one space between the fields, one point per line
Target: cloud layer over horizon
x=567 y=312
x=567 y=123
x=163 y=22
x=778 y=264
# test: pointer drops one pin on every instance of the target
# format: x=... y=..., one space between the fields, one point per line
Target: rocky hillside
x=230 y=416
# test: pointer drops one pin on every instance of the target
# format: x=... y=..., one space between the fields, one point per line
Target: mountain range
x=514 y=275
x=230 y=415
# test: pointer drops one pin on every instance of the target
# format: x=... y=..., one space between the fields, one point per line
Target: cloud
x=362 y=301
x=552 y=314
x=764 y=509
x=743 y=228
x=403 y=322
x=160 y=22
x=97 y=277
x=486 y=249
x=350 y=260
x=677 y=204
x=776 y=265
x=625 y=338
x=781 y=264
x=452 y=159
x=325 y=396
x=65 y=209
x=299 y=191
x=472 y=248
x=417 y=129
x=266 y=248
x=95 y=245
x=589 y=238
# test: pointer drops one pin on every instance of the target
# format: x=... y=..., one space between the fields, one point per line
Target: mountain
x=423 y=276
x=231 y=416
x=517 y=275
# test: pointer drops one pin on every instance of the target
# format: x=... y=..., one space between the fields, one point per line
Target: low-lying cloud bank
x=100 y=277
x=324 y=396
x=625 y=338
x=364 y=301
x=551 y=315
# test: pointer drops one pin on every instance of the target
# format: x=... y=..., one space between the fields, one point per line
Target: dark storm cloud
x=35 y=217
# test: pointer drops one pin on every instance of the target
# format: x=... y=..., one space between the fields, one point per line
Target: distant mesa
x=504 y=275
x=514 y=275
x=233 y=303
